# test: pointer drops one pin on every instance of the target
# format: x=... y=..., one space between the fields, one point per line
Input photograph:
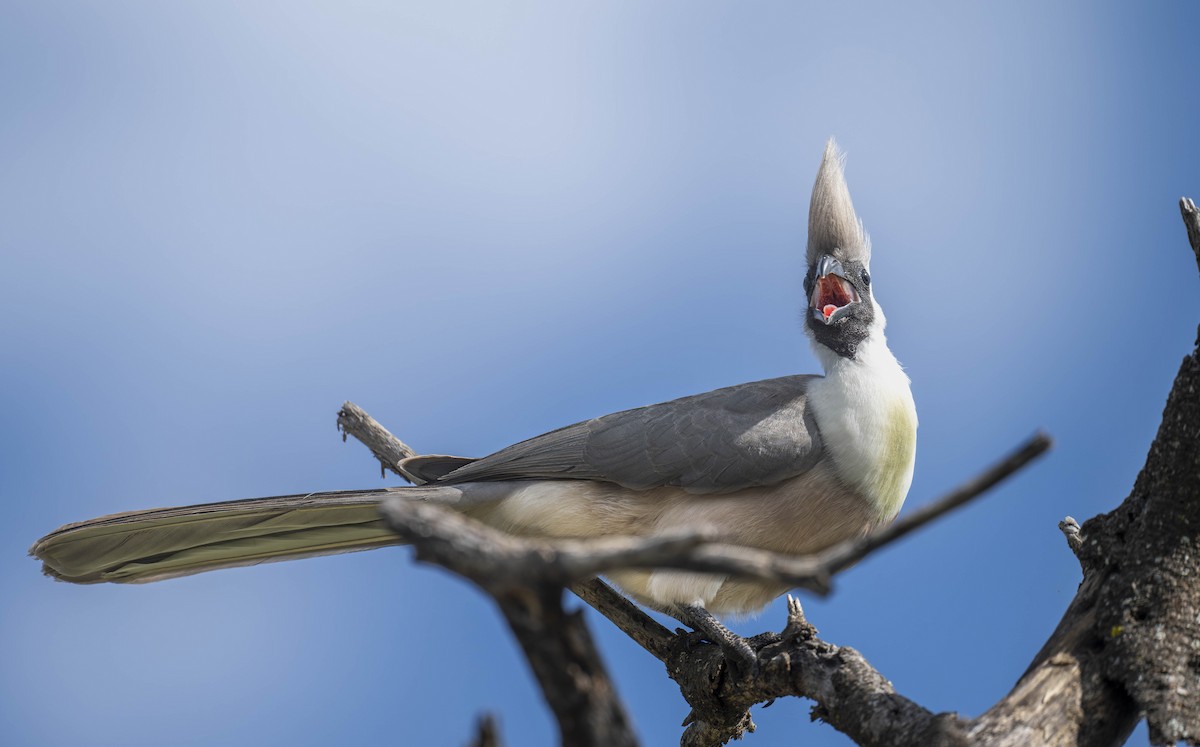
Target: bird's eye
x=866 y=278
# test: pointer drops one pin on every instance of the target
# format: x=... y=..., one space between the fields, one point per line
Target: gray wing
x=718 y=442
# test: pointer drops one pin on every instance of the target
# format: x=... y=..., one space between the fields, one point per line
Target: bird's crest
x=832 y=223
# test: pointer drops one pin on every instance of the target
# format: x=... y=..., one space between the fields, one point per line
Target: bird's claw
x=740 y=656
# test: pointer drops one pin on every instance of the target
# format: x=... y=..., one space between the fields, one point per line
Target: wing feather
x=722 y=441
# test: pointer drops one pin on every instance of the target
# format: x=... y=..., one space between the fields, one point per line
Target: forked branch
x=848 y=690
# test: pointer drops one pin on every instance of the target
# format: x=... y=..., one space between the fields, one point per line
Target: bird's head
x=841 y=311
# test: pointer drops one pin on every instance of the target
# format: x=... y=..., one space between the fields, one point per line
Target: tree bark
x=1129 y=643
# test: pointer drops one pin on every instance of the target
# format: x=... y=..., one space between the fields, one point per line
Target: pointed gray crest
x=832 y=223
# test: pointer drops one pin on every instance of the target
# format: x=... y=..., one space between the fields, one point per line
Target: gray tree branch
x=842 y=556
x=527 y=585
x=643 y=629
x=847 y=688
x=1191 y=221
x=1126 y=645
x=389 y=450
x=1129 y=643
x=696 y=550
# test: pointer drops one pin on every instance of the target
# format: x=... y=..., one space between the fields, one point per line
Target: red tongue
x=828 y=310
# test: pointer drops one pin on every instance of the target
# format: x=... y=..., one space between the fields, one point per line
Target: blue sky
x=480 y=222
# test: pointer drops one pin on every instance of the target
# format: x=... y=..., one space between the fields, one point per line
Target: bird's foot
x=739 y=654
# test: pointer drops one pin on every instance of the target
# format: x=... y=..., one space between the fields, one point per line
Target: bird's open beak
x=832 y=294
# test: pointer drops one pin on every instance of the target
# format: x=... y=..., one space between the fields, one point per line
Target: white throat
x=868 y=422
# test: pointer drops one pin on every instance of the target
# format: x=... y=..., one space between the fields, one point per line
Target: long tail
x=160 y=543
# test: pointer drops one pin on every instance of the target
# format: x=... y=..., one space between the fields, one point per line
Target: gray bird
x=793 y=465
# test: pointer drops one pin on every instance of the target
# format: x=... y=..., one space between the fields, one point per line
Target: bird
x=792 y=465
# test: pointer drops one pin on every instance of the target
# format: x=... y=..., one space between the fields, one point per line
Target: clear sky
x=481 y=221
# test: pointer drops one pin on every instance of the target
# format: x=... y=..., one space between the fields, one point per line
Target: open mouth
x=832 y=296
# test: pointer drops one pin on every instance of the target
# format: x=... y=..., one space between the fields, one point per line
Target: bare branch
x=1191 y=220
x=500 y=559
x=1070 y=529
x=694 y=551
x=626 y=615
x=354 y=421
x=850 y=692
x=515 y=570
x=1126 y=646
x=527 y=584
x=851 y=695
x=487 y=734
x=842 y=556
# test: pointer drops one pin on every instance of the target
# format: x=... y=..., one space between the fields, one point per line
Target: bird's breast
x=868 y=426
x=896 y=450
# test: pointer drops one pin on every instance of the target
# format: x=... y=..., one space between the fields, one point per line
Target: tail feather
x=154 y=544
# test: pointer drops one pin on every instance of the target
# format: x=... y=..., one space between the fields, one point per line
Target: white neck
x=868 y=422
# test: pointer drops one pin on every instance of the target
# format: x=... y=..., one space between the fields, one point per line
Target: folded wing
x=730 y=439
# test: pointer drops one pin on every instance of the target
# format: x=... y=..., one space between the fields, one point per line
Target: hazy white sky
x=479 y=222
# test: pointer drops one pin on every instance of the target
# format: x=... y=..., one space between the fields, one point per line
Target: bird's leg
x=737 y=650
